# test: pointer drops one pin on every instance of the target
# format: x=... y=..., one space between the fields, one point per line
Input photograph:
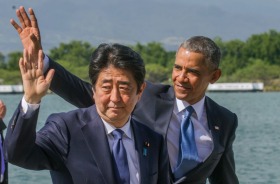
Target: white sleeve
x=46 y=63
x=28 y=108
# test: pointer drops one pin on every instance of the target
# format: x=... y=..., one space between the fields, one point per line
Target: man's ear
x=93 y=92
x=216 y=75
x=142 y=87
x=141 y=90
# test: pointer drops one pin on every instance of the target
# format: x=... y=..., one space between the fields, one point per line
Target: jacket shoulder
x=145 y=129
x=153 y=88
x=221 y=115
x=76 y=116
x=211 y=104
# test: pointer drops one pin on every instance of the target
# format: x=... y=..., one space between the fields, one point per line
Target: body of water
x=257 y=144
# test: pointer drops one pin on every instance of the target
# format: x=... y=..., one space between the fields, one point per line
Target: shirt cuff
x=46 y=63
x=28 y=108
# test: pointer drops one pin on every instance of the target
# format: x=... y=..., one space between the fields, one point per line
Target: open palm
x=35 y=84
x=29 y=32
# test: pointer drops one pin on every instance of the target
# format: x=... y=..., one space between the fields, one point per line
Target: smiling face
x=115 y=95
x=191 y=76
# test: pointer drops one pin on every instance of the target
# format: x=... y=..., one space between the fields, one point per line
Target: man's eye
x=194 y=72
x=124 y=88
x=177 y=67
x=106 y=87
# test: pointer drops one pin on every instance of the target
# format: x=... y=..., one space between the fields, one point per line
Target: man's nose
x=115 y=95
x=182 y=77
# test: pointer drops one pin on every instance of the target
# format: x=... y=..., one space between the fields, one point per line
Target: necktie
x=120 y=160
x=188 y=156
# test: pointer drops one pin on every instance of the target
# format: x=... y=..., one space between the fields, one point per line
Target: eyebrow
x=119 y=82
x=187 y=69
x=107 y=80
x=176 y=65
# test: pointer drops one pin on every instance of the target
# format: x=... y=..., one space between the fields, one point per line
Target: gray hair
x=206 y=47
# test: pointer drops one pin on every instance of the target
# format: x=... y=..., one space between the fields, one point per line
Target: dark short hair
x=206 y=47
x=119 y=56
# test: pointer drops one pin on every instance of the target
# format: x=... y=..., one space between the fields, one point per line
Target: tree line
x=256 y=59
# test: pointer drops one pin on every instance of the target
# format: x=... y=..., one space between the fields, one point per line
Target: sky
x=130 y=21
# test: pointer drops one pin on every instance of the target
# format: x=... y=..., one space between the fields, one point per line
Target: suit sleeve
x=70 y=87
x=26 y=148
x=2 y=125
x=225 y=170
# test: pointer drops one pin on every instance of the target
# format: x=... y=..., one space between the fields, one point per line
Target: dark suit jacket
x=74 y=146
x=2 y=128
x=155 y=109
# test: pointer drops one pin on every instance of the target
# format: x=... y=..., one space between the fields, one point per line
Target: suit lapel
x=163 y=111
x=213 y=123
x=97 y=142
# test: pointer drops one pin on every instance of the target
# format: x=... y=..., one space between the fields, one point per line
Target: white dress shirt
x=203 y=137
x=128 y=141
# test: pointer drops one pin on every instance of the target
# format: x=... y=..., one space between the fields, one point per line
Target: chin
x=181 y=96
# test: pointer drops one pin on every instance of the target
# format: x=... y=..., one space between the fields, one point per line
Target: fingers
x=23 y=17
x=22 y=66
x=32 y=62
x=16 y=26
x=49 y=76
x=40 y=60
x=34 y=22
x=26 y=59
x=2 y=105
x=31 y=68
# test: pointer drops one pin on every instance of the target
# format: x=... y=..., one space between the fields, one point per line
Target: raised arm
x=28 y=30
x=70 y=87
x=20 y=146
x=66 y=85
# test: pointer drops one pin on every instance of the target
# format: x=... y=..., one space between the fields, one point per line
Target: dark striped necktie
x=120 y=159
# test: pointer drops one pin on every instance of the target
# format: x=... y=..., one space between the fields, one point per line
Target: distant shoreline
x=216 y=87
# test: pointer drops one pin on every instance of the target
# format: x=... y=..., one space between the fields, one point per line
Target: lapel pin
x=145 y=148
x=217 y=128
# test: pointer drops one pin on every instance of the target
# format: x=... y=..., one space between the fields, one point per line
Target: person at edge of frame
x=4 y=168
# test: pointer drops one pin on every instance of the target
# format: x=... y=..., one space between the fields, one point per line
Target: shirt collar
x=126 y=128
x=180 y=105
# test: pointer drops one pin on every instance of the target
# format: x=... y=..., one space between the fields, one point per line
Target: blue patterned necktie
x=120 y=160
x=188 y=156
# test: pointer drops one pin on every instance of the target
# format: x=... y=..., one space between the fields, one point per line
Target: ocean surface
x=257 y=144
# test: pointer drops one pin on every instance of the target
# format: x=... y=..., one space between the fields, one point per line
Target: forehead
x=185 y=57
x=113 y=74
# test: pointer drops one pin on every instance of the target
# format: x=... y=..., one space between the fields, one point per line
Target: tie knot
x=189 y=110
x=117 y=133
